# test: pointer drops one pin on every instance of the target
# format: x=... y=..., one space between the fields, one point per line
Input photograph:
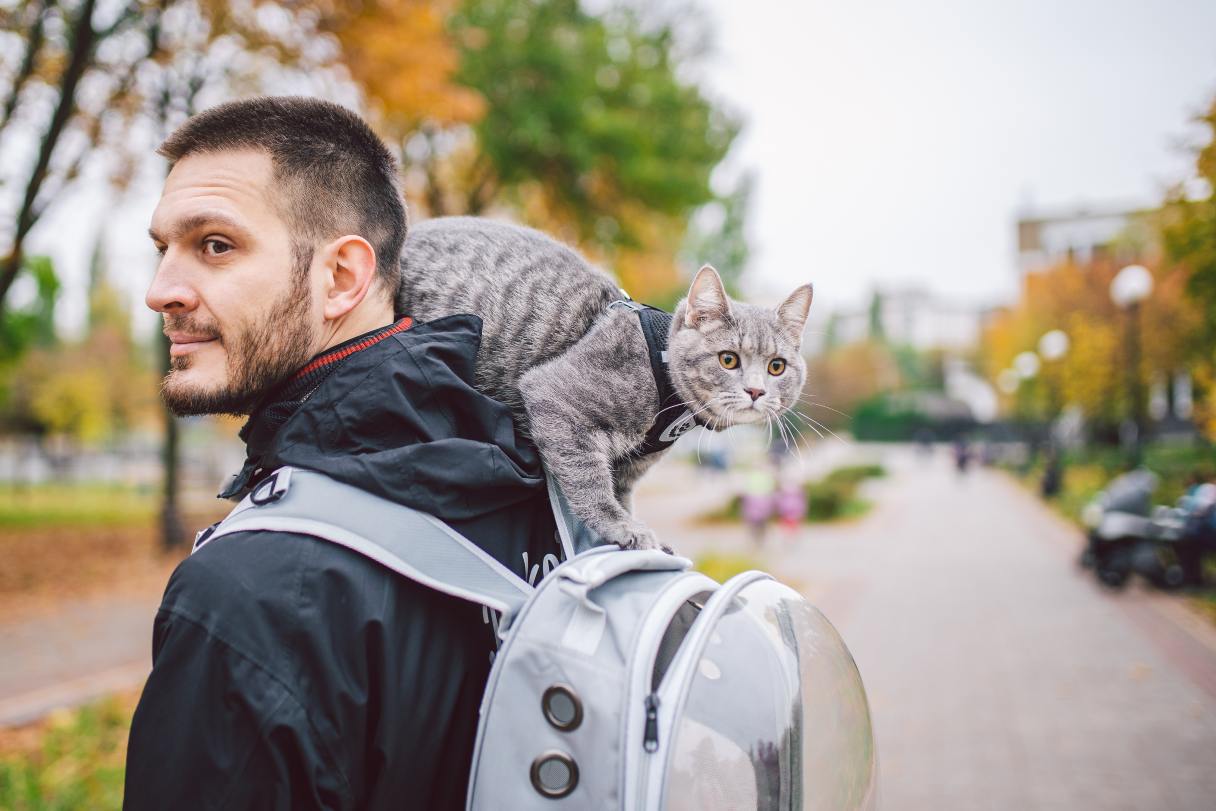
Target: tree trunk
x=83 y=40
x=172 y=528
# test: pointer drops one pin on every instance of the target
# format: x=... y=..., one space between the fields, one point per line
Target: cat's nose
x=755 y=393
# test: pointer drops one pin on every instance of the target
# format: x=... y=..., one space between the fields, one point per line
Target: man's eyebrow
x=195 y=222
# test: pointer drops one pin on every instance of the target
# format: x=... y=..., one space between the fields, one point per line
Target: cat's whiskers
x=785 y=436
x=790 y=429
x=794 y=426
x=804 y=417
x=704 y=429
x=684 y=404
x=813 y=422
x=805 y=400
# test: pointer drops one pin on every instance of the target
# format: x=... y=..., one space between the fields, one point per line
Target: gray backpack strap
x=411 y=543
x=576 y=537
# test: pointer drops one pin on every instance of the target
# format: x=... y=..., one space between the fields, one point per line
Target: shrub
x=722 y=567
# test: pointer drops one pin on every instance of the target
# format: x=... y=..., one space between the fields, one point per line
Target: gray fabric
x=576 y=536
x=623 y=587
x=408 y=541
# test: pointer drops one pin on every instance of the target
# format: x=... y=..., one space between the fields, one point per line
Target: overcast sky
x=896 y=140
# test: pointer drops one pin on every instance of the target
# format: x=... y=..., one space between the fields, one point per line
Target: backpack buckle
x=272 y=488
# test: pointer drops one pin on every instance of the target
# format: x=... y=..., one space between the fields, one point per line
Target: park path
x=74 y=652
x=999 y=675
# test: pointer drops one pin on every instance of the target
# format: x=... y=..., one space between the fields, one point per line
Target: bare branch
x=83 y=41
x=29 y=60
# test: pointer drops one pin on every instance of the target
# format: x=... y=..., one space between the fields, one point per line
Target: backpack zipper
x=650 y=739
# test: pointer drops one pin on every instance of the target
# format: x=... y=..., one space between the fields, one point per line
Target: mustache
x=191 y=325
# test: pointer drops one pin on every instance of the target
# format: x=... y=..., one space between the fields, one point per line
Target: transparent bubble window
x=776 y=717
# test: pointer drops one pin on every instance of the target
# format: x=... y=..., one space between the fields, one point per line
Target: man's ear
x=350 y=272
x=707 y=299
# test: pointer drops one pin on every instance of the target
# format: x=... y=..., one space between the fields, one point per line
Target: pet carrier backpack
x=624 y=680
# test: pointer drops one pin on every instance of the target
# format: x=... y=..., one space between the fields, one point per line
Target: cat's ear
x=707 y=299
x=793 y=311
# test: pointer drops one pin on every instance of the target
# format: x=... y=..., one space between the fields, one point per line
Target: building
x=909 y=316
x=1082 y=234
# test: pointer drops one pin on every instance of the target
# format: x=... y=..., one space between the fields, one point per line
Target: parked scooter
x=1179 y=540
x=1118 y=522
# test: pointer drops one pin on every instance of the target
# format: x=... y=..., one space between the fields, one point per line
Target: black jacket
x=290 y=673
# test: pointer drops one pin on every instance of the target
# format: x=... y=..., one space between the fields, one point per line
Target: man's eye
x=215 y=247
x=160 y=250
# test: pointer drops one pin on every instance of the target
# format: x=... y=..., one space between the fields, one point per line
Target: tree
x=717 y=235
x=63 y=53
x=1189 y=235
x=878 y=331
x=1093 y=374
x=588 y=131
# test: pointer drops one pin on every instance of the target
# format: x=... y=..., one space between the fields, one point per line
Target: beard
x=260 y=355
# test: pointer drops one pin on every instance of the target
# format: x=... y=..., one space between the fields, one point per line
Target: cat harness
x=674 y=418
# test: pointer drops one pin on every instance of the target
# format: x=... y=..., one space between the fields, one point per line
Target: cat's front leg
x=627 y=473
x=580 y=457
x=589 y=407
x=581 y=462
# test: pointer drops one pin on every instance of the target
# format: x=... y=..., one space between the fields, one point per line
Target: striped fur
x=575 y=373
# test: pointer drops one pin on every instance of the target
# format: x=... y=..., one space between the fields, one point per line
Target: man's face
x=237 y=299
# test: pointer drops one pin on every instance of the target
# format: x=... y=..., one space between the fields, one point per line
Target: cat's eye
x=729 y=360
x=776 y=366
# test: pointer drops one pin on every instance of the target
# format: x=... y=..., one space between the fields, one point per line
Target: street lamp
x=1053 y=346
x=1131 y=286
x=1026 y=364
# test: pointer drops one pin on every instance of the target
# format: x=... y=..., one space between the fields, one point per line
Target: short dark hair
x=335 y=175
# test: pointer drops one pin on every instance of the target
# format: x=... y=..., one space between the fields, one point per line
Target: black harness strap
x=673 y=419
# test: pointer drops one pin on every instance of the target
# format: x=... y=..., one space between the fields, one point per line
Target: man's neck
x=288 y=396
x=367 y=316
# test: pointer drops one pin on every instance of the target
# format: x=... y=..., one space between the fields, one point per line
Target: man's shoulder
x=255 y=589
x=261 y=568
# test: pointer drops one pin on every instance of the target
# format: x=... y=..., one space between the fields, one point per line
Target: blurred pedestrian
x=962 y=454
x=757 y=502
x=790 y=502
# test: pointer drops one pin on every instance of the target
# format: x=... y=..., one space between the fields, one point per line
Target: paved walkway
x=78 y=651
x=999 y=676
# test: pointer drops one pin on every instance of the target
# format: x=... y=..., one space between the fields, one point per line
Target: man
x=290 y=673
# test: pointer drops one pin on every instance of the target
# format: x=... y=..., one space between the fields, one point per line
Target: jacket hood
x=401 y=419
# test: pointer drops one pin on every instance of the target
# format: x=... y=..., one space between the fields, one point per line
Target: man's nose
x=170 y=290
x=756 y=394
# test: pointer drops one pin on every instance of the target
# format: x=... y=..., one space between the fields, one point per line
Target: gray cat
x=576 y=368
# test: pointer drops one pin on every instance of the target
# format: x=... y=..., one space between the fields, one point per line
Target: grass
x=721 y=566
x=1087 y=471
x=832 y=498
x=84 y=505
x=72 y=760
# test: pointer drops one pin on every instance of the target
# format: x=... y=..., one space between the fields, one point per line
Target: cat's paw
x=640 y=537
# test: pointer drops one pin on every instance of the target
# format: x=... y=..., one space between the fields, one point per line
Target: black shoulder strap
x=656 y=325
x=673 y=418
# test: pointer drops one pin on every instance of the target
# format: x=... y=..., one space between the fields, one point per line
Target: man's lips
x=183 y=343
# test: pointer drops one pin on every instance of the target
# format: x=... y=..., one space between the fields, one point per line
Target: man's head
x=279 y=227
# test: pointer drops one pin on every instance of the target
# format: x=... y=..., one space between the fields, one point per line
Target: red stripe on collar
x=347 y=351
